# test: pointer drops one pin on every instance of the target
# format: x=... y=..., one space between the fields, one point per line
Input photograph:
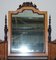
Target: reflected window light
x=24 y=49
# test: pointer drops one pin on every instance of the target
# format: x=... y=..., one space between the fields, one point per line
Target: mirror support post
x=5 y=29
x=49 y=30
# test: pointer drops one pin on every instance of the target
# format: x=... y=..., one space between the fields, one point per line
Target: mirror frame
x=28 y=6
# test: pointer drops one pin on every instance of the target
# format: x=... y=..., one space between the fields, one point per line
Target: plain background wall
x=45 y=5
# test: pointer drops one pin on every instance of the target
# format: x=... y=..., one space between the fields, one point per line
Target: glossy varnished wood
x=3 y=50
x=52 y=51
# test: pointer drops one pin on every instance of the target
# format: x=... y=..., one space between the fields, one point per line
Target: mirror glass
x=27 y=32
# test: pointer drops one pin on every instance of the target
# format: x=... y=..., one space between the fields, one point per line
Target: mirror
x=27 y=32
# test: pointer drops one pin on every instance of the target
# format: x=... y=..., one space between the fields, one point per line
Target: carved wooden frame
x=28 y=6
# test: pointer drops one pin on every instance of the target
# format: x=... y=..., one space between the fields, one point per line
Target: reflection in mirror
x=27 y=32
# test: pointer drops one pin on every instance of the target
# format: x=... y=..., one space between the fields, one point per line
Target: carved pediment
x=25 y=4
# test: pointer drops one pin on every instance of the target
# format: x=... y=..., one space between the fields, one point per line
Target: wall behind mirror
x=48 y=5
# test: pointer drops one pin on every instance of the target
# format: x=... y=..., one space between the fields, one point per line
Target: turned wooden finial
x=5 y=28
x=49 y=29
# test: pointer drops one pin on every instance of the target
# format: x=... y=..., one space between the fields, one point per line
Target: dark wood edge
x=2 y=41
x=53 y=42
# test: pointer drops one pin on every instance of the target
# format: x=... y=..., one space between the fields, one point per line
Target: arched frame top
x=35 y=10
